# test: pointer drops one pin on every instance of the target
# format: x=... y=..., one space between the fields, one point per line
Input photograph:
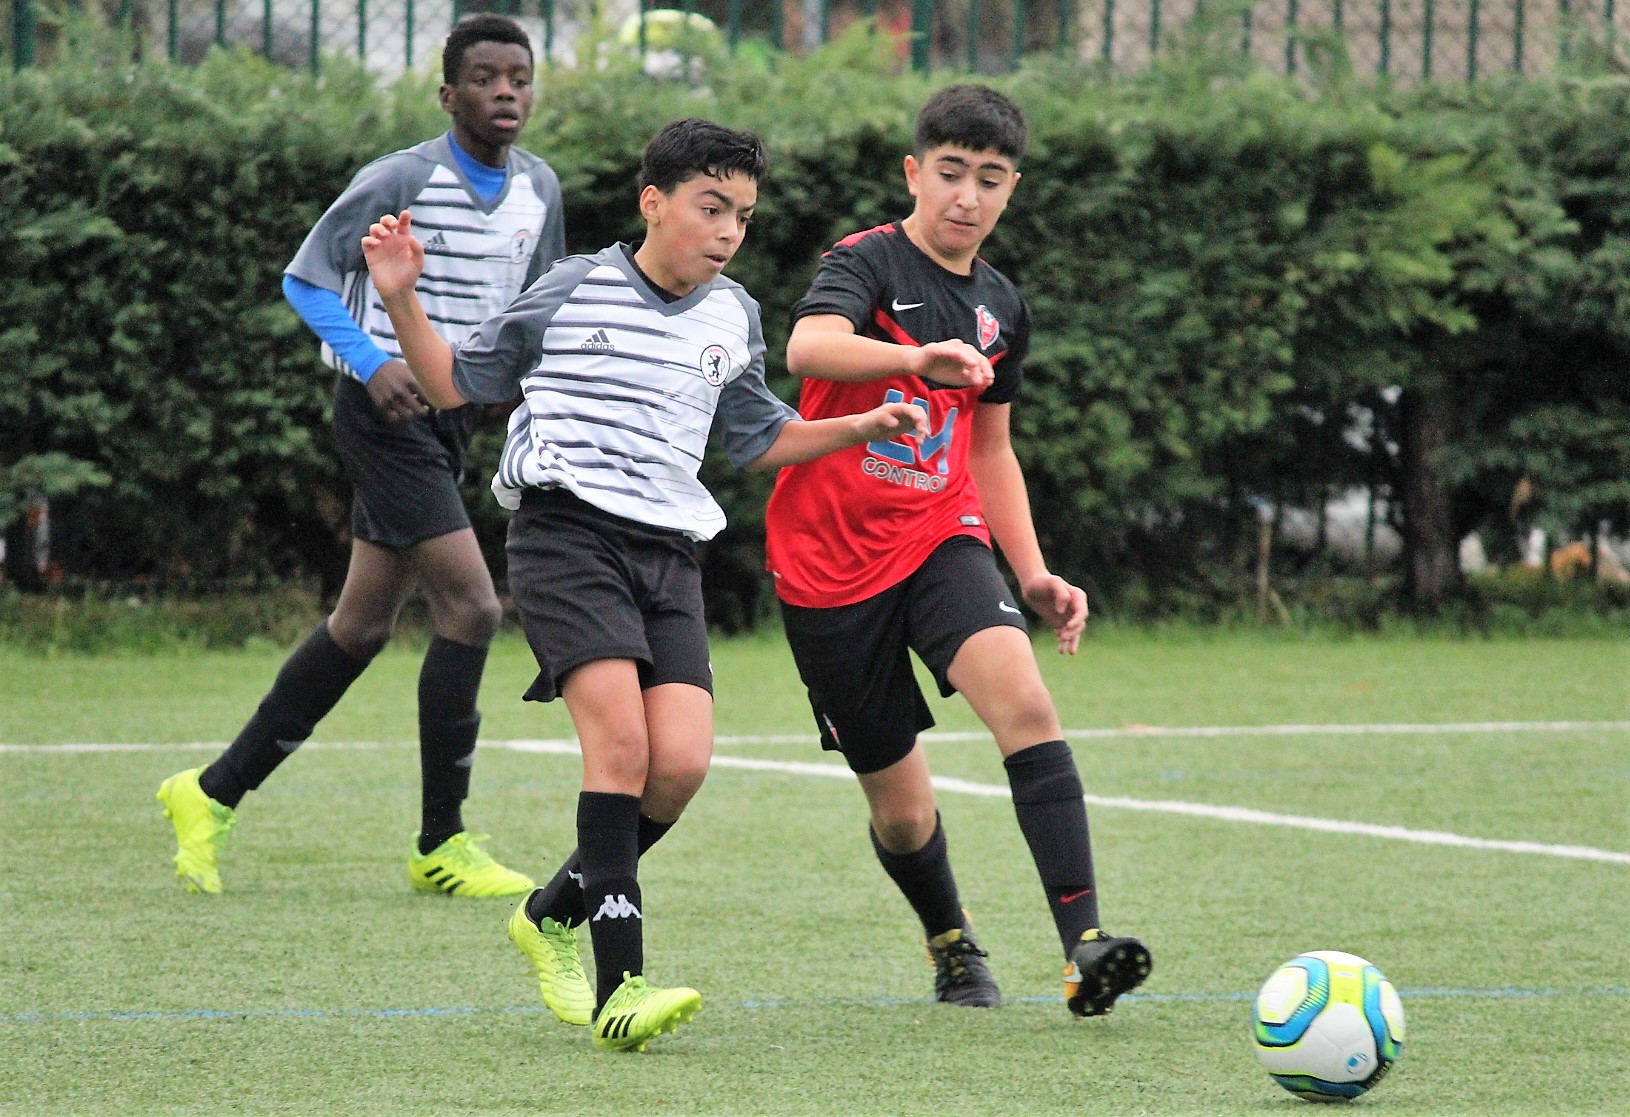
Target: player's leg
x=465 y=614
x=973 y=639
x=576 y=574
x=201 y=803
x=854 y=662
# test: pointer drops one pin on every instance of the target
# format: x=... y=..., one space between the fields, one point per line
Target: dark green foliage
x=1230 y=274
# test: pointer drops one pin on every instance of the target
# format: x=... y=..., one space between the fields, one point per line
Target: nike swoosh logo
x=1006 y=608
x=1074 y=896
x=899 y=306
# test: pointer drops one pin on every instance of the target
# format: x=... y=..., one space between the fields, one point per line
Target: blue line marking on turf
x=832 y=1002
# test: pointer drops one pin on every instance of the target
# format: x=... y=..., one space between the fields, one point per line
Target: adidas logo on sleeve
x=617 y=907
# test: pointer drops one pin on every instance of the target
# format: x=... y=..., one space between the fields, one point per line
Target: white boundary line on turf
x=1164 y=806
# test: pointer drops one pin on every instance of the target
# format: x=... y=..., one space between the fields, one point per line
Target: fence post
x=922 y=32
x=1426 y=41
x=1385 y=63
x=172 y=34
x=1019 y=19
x=973 y=36
x=1471 y=40
x=549 y=33
x=1291 y=15
x=1154 y=28
x=266 y=29
x=1109 y=33
x=362 y=31
x=1516 y=35
x=316 y=51
x=23 y=33
x=1066 y=23
x=220 y=23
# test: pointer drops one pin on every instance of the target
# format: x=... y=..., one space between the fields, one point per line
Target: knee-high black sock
x=311 y=682
x=925 y=879
x=448 y=722
x=562 y=898
x=608 y=842
x=1047 y=797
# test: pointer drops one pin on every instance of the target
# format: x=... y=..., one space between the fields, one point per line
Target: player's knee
x=905 y=830
x=470 y=618
x=359 y=637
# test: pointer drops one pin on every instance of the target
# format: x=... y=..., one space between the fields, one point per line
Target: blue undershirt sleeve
x=322 y=310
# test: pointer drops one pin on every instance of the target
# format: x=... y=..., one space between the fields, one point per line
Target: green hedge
x=1227 y=271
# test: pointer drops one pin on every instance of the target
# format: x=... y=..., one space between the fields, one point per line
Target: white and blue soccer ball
x=1328 y=1025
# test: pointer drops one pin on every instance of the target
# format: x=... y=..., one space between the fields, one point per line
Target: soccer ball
x=1328 y=1026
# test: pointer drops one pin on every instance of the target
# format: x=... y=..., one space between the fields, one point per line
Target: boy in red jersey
x=885 y=547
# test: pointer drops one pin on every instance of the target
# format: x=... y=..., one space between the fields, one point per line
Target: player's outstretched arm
x=802 y=441
x=395 y=261
x=826 y=347
x=1002 y=493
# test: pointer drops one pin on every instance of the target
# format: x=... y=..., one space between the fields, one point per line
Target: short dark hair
x=691 y=147
x=483 y=27
x=975 y=117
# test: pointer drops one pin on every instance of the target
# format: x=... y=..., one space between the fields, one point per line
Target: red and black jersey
x=851 y=524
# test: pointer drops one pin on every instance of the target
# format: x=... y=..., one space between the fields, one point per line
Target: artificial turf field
x=1487 y=873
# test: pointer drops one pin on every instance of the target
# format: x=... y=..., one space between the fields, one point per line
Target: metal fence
x=1403 y=40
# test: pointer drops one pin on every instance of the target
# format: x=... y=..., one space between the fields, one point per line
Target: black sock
x=449 y=681
x=925 y=879
x=1047 y=797
x=312 y=680
x=562 y=898
x=608 y=843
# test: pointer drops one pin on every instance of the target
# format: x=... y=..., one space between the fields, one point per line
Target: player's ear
x=651 y=205
x=444 y=97
x=912 y=169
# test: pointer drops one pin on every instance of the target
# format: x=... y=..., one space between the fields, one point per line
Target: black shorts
x=404 y=476
x=589 y=585
x=854 y=658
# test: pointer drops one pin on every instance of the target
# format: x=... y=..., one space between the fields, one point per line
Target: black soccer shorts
x=589 y=585
x=855 y=661
x=404 y=476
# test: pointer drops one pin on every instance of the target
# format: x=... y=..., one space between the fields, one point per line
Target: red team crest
x=989 y=327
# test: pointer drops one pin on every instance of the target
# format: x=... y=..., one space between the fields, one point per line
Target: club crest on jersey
x=715 y=364
x=989 y=328
x=520 y=246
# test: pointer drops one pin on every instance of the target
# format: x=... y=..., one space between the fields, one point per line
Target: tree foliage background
x=1232 y=274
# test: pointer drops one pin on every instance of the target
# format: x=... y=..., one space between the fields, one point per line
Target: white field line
x=563 y=747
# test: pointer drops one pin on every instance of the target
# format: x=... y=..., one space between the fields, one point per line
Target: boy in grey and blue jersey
x=494 y=224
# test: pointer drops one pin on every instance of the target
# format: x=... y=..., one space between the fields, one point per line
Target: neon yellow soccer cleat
x=201 y=825
x=637 y=1013
x=551 y=947
x=459 y=867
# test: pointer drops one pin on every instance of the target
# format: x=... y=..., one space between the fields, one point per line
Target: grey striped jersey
x=478 y=258
x=620 y=388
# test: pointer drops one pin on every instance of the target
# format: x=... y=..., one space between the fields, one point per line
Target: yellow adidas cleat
x=551 y=947
x=201 y=825
x=459 y=867
x=637 y=1013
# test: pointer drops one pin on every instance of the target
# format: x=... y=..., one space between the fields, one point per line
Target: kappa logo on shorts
x=618 y=907
x=715 y=364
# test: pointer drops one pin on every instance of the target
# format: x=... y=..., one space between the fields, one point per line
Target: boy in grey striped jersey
x=625 y=358
x=493 y=215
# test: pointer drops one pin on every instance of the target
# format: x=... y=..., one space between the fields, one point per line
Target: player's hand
x=1061 y=606
x=891 y=420
x=954 y=363
x=396 y=393
x=394 y=255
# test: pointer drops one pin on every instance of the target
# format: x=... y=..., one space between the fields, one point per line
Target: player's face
x=694 y=232
x=491 y=99
x=960 y=194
